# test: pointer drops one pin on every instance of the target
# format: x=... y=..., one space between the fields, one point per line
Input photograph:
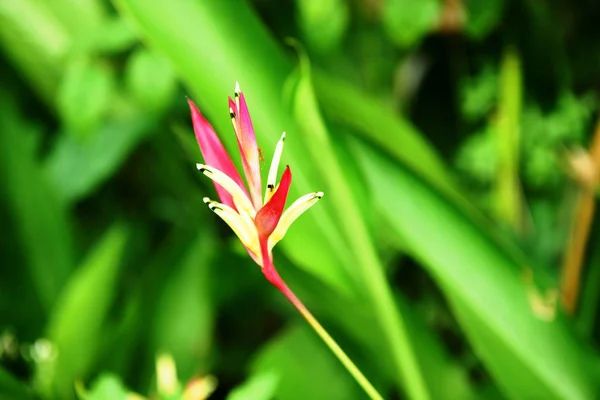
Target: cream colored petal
x=240 y=199
x=291 y=214
x=272 y=177
x=241 y=224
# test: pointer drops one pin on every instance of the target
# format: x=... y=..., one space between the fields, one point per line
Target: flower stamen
x=241 y=201
x=241 y=224
x=291 y=214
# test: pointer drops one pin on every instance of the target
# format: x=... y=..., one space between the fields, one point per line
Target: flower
x=259 y=222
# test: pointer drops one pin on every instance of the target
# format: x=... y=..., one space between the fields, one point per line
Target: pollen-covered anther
x=240 y=198
x=241 y=224
x=212 y=205
x=291 y=214
x=231 y=113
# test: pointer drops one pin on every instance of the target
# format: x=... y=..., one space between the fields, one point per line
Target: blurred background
x=454 y=255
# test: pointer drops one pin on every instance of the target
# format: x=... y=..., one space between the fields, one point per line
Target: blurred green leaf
x=370 y=269
x=36 y=53
x=76 y=323
x=84 y=96
x=379 y=125
x=323 y=22
x=478 y=156
x=545 y=135
x=78 y=167
x=479 y=94
x=183 y=323
x=107 y=387
x=482 y=16
x=408 y=21
x=113 y=36
x=483 y=283
x=305 y=368
x=150 y=79
x=260 y=386
x=13 y=389
x=40 y=219
x=507 y=194
x=443 y=374
x=80 y=17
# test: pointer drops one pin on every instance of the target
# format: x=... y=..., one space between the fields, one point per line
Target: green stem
x=330 y=342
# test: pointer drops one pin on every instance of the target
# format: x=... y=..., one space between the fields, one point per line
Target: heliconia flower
x=258 y=220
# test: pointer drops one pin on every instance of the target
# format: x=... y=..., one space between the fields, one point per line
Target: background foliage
x=454 y=255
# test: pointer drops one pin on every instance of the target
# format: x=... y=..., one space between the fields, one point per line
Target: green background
x=444 y=134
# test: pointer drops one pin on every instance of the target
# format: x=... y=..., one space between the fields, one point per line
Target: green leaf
x=482 y=16
x=479 y=94
x=305 y=368
x=107 y=387
x=77 y=167
x=378 y=124
x=183 y=323
x=361 y=247
x=40 y=219
x=150 y=79
x=508 y=207
x=80 y=17
x=323 y=22
x=11 y=388
x=113 y=36
x=260 y=386
x=76 y=324
x=408 y=21
x=482 y=281
x=36 y=53
x=84 y=96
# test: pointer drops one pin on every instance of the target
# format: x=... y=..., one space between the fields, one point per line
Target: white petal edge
x=272 y=177
x=291 y=214
x=241 y=201
x=240 y=224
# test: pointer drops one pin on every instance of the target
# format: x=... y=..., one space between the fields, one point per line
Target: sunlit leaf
x=483 y=282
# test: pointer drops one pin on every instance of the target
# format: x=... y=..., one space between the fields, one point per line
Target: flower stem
x=330 y=342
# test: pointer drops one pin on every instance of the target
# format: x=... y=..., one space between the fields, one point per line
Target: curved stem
x=274 y=278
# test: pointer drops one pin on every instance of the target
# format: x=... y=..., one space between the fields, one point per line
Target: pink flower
x=258 y=221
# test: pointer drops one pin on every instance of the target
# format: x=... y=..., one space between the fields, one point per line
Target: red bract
x=259 y=222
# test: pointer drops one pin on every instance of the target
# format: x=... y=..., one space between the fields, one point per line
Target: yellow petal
x=240 y=199
x=241 y=224
x=291 y=214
